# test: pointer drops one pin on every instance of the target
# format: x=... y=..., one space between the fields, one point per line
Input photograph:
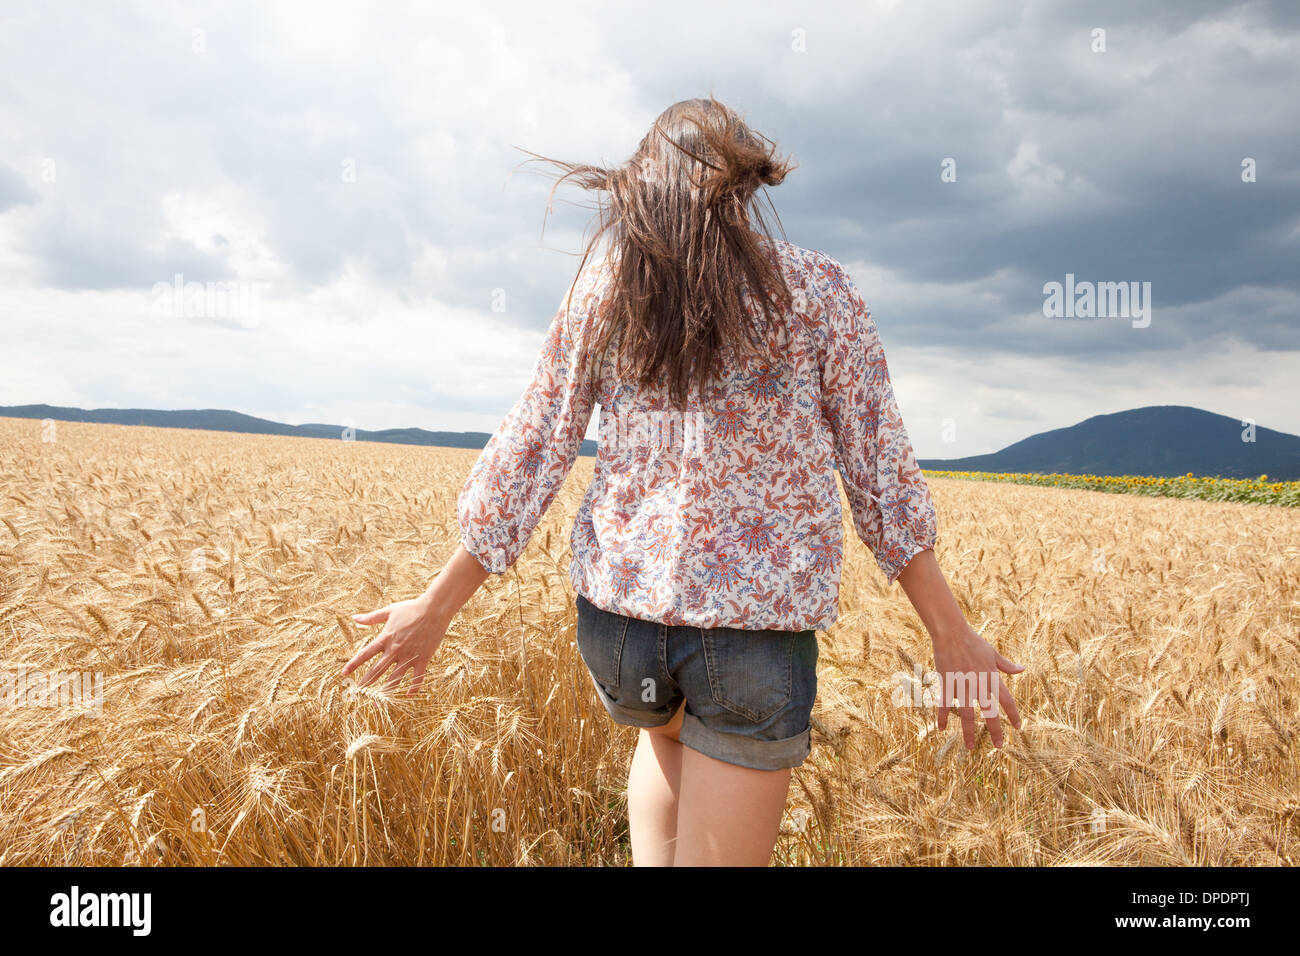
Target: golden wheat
x=210 y=577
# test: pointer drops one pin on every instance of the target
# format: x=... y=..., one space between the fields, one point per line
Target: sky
x=348 y=182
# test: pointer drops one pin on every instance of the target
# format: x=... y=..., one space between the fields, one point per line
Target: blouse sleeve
x=893 y=512
x=527 y=459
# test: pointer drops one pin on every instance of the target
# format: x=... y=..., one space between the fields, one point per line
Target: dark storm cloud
x=1104 y=174
x=335 y=143
x=1126 y=194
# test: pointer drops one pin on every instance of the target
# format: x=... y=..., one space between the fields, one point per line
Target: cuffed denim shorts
x=748 y=694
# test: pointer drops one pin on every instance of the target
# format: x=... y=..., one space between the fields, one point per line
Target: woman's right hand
x=963 y=659
x=968 y=668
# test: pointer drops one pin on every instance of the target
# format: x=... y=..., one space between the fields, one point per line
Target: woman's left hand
x=413 y=629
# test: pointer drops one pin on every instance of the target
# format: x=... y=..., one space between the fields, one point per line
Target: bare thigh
x=670 y=729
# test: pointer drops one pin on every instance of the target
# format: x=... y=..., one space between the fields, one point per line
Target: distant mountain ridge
x=1157 y=440
x=224 y=420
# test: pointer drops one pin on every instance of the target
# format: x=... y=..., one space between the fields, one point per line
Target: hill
x=1158 y=440
x=224 y=420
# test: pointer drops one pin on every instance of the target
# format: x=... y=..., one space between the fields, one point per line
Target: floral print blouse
x=725 y=513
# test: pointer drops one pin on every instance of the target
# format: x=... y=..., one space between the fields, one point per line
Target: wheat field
x=209 y=579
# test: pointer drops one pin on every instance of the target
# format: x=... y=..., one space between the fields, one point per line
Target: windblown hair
x=688 y=243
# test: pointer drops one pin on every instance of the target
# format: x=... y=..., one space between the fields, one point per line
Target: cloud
x=361 y=164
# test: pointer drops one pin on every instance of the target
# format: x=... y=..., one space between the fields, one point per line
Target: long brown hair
x=689 y=242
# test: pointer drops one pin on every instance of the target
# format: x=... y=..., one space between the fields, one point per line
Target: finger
x=995 y=730
x=372 y=675
x=418 y=681
x=987 y=702
x=1009 y=704
x=398 y=673
x=1007 y=666
x=373 y=617
x=941 y=712
x=968 y=726
x=363 y=655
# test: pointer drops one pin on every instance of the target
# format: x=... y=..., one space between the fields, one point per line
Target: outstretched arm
x=894 y=514
x=506 y=494
x=967 y=663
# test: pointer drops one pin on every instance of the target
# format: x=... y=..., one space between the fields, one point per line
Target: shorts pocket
x=600 y=641
x=750 y=672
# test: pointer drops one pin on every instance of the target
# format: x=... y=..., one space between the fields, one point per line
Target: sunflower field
x=1261 y=490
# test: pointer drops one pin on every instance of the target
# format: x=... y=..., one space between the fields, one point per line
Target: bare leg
x=653 y=784
x=727 y=815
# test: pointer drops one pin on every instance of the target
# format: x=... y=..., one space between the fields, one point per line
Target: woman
x=735 y=374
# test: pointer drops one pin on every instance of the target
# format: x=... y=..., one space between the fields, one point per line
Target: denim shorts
x=748 y=695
